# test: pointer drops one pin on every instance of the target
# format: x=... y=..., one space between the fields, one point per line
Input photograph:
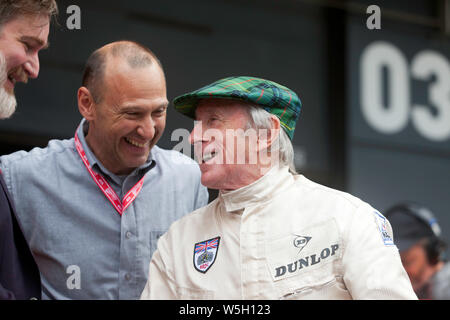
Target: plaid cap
x=272 y=97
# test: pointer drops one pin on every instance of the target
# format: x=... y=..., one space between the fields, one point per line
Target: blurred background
x=376 y=102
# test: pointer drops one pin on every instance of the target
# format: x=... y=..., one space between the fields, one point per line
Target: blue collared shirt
x=83 y=247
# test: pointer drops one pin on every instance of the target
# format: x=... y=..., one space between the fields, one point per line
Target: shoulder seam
x=355 y=202
x=44 y=154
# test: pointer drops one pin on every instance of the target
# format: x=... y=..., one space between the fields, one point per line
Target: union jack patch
x=205 y=253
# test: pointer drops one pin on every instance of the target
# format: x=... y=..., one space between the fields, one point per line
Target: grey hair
x=261 y=119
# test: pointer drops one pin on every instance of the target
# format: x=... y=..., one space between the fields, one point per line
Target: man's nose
x=196 y=133
x=147 y=128
x=31 y=67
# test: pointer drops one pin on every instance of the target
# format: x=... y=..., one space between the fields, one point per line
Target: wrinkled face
x=220 y=144
x=130 y=118
x=21 y=39
x=416 y=265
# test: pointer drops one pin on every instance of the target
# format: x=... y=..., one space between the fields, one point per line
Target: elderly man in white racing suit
x=271 y=233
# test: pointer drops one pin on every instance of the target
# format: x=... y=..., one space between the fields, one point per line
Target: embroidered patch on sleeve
x=386 y=235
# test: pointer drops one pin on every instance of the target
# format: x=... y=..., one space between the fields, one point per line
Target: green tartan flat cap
x=272 y=97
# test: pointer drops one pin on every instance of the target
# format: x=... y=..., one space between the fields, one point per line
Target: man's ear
x=268 y=138
x=86 y=104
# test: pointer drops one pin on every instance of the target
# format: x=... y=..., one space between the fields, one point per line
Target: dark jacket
x=19 y=275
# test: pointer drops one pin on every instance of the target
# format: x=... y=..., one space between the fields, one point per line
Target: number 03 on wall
x=393 y=116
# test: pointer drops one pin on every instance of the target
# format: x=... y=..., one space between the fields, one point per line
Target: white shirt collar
x=273 y=182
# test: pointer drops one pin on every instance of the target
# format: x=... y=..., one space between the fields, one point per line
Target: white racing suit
x=281 y=237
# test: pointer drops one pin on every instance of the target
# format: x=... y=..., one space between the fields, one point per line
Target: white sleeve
x=371 y=261
x=159 y=285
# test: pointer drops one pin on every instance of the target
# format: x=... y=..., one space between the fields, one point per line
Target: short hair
x=136 y=55
x=9 y=9
x=261 y=119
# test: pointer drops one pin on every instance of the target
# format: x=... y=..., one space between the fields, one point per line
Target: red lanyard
x=104 y=185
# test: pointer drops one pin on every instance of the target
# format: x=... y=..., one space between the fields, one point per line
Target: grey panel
x=46 y=106
x=384 y=169
x=409 y=45
x=385 y=177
